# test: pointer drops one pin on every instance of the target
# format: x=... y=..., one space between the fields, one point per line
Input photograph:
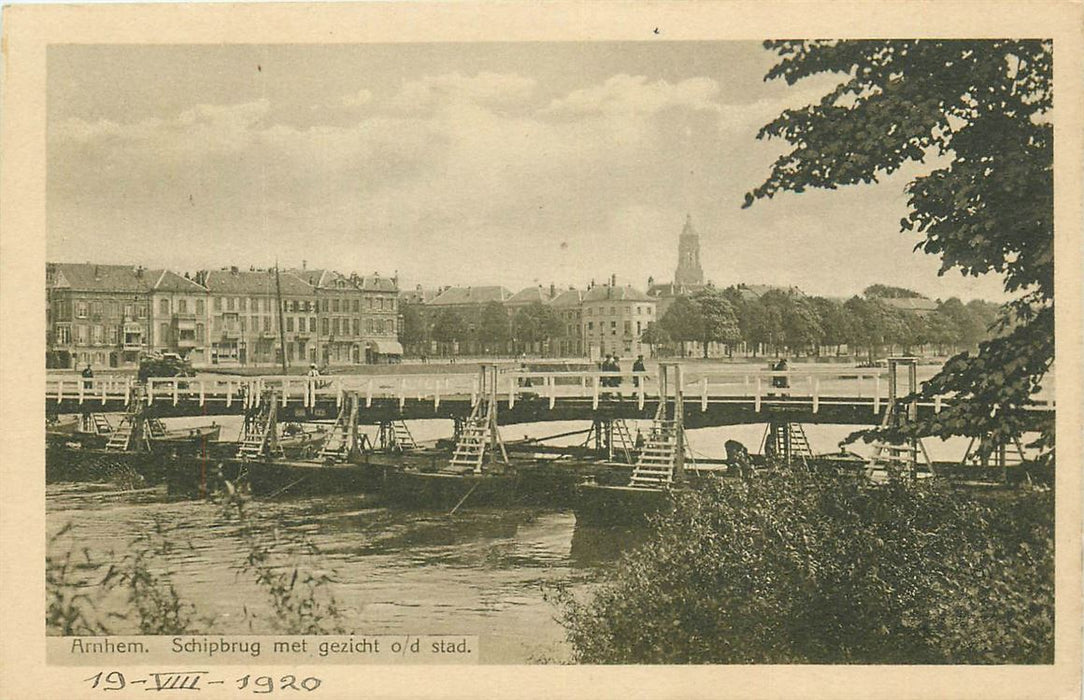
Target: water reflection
x=603 y=545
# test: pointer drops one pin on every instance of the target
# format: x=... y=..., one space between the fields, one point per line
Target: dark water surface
x=481 y=572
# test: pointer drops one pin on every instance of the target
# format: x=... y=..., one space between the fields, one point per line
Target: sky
x=456 y=163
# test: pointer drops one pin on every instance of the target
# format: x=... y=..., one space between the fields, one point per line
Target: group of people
x=612 y=364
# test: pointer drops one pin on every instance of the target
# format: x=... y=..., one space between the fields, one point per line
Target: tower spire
x=688 y=270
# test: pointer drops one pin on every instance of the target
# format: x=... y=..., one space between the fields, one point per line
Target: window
x=649 y=310
x=63 y=335
x=217 y=323
x=369 y=324
x=638 y=330
x=241 y=323
x=391 y=304
x=80 y=334
x=231 y=304
x=141 y=310
x=391 y=325
x=325 y=325
x=312 y=324
x=357 y=322
x=243 y=303
x=613 y=324
x=218 y=303
x=111 y=309
x=590 y=325
x=289 y=324
x=639 y=310
x=372 y=304
x=128 y=312
x=163 y=307
x=335 y=305
x=338 y=325
x=80 y=309
x=255 y=304
x=200 y=331
x=96 y=309
x=613 y=311
x=163 y=333
x=266 y=324
x=356 y=306
x=111 y=335
x=380 y=304
x=199 y=307
x=255 y=326
x=182 y=306
x=628 y=327
x=324 y=305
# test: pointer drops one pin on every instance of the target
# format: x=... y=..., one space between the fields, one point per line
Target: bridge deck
x=721 y=397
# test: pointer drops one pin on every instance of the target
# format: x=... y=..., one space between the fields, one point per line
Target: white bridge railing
x=820 y=386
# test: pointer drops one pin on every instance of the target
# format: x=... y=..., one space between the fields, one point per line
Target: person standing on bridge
x=781 y=381
x=638 y=367
x=88 y=373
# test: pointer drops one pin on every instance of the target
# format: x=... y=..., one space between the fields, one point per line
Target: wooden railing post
x=594 y=393
x=816 y=389
x=703 y=394
x=876 y=393
x=756 y=395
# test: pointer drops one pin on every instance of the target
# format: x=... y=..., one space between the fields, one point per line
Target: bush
x=792 y=567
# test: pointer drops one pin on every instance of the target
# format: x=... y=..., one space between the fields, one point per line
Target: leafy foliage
x=795 y=567
x=980 y=110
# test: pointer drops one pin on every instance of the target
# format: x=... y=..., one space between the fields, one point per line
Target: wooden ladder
x=661 y=462
x=621 y=440
x=402 y=439
x=341 y=442
x=479 y=431
x=258 y=436
x=889 y=458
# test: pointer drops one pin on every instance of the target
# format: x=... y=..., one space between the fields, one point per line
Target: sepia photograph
x=647 y=351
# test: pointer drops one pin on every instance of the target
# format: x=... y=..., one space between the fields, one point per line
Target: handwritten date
x=196 y=680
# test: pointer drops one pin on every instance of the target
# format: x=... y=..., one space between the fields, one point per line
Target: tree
x=834 y=322
x=718 y=322
x=980 y=109
x=682 y=321
x=883 y=291
x=493 y=327
x=761 y=324
x=796 y=566
x=448 y=328
x=535 y=323
x=655 y=336
x=412 y=329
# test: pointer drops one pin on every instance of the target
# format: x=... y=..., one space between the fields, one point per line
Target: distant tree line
x=778 y=321
x=491 y=329
x=781 y=321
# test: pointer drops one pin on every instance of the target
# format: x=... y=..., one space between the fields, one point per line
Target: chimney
x=553 y=290
x=233 y=270
x=96 y=275
x=304 y=264
x=650 y=281
x=613 y=280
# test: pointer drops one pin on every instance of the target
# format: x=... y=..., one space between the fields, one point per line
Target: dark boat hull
x=131 y=469
x=599 y=505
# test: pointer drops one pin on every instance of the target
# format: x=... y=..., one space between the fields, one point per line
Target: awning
x=386 y=347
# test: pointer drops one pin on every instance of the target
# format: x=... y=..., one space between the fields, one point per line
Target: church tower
x=688 y=270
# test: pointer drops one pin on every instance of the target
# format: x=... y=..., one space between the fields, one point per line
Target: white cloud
x=358 y=99
x=493 y=90
x=626 y=94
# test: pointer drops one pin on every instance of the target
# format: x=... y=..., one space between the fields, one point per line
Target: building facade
x=98 y=315
x=178 y=310
x=568 y=306
x=613 y=319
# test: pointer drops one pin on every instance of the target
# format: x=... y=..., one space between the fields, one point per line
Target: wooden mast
x=282 y=325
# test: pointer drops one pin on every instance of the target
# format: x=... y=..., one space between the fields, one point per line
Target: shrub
x=793 y=567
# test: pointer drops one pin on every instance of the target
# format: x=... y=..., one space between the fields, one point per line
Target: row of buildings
x=108 y=315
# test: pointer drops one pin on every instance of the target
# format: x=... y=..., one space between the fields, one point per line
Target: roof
x=755 y=291
x=418 y=296
x=912 y=304
x=89 y=277
x=672 y=289
x=528 y=295
x=456 y=296
x=248 y=282
x=608 y=293
x=315 y=278
x=169 y=281
x=376 y=283
x=567 y=298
